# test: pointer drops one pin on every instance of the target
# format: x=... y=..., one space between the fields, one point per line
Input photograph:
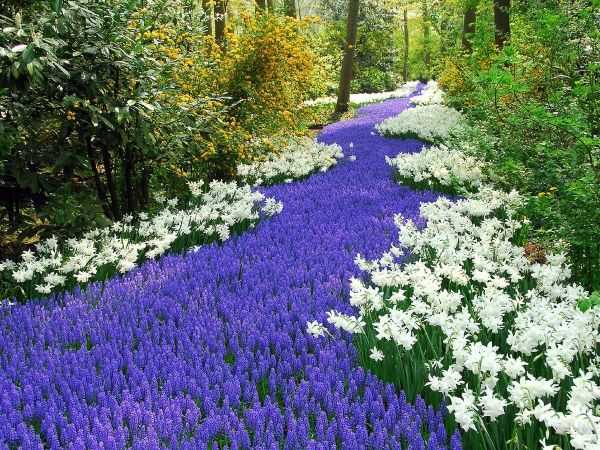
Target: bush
x=119 y=99
x=372 y=79
x=536 y=109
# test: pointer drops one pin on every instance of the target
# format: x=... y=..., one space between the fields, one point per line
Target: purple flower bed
x=210 y=349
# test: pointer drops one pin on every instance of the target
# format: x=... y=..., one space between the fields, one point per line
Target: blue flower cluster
x=210 y=349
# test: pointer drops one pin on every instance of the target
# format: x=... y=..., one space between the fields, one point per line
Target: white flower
x=195 y=187
x=514 y=367
x=299 y=158
x=7 y=264
x=492 y=406
x=430 y=122
x=44 y=288
x=450 y=380
x=431 y=95
x=483 y=359
x=527 y=390
x=376 y=354
x=359 y=99
x=315 y=328
x=22 y=275
x=441 y=164
x=345 y=322
x=83 y=277
x=464 y=410
x=272 y=207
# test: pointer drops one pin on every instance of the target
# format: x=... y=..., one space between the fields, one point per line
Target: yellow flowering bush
x=233 y=96
x=268 y=69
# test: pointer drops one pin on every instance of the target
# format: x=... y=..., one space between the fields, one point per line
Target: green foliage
x=104 y=102
x=377 y=50
x=536 y=106
x=593 y=301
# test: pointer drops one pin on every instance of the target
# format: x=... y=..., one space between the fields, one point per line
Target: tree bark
x=128 y=178
x=406 y=42
x=261 y=6
x=100 y=188
x=426 y=38
x=271 y=5
x=209 y=12
x=290 y=8
x=469 y=26
x=110 y=182
x=502 y=22
x=343 y=99
x=220 y=20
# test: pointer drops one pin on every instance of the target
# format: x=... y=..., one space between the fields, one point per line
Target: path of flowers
x=210 y=350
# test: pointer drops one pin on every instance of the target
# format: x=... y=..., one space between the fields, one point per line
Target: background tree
x=405 y=72
x=426 y=37
x=209 y=11
x=470 y=16
x=290 y=8
x=343 y=99
x=261 y=5
x=502 y=22
x=220 y=20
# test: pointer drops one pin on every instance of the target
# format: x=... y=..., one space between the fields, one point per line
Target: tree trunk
x=343 y=99
x=406 y=42
x=209 y=12
x=110 y=182
x=469 y=26
x=261 y=6
x=290 y=8
x=220 y=20
x=128 y=178
x=100 y=188
x=426 y=38
x=502 y=22
x=271 y=5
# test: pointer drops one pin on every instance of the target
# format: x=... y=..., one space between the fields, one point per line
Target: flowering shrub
x=431 y=123
x=224 y=208
x=431 y=95
x=268 y=70
x=438 y=167
x=365 y=98
x=299 y=158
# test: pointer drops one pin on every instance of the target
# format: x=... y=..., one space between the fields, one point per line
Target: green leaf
x=592 y=301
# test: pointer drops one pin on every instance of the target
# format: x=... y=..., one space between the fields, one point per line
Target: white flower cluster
x=431 y=123
x=504 y=321
x=431 y=95
x=124 y=244
x=364 y=98
x=298 y=159
x=439 y=165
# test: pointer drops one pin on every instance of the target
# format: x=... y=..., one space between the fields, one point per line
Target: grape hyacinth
x=210 y=349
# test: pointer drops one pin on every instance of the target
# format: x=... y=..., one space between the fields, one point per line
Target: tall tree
x=261 y=5
x=426 y=37
x=502 y=21
x=406 y=42
x=209 y=12
x=220 y=20
x=343 y=99
x=290 y=8
x=470 y=16
x=271 y=5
